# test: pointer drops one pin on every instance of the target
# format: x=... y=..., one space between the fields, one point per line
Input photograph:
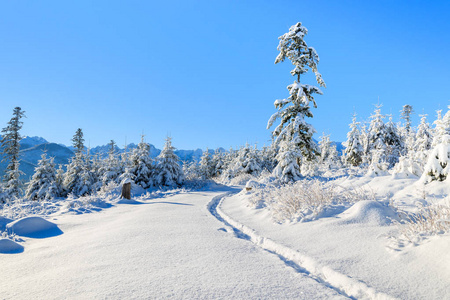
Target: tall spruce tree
x=168 y=169
x=43 y=185
x=78 y=141
x=406 y=113
x=353 y=147
x=11 y=146
x=293 y=110
x=142 y=165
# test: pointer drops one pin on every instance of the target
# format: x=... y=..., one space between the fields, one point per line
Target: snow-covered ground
x=360 y=243
x=219 y=243
x=169 y=247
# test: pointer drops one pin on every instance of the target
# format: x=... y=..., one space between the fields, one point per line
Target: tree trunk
x=126 y=190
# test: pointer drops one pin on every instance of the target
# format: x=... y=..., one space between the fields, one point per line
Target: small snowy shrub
x=305 y=200
x=429 y=220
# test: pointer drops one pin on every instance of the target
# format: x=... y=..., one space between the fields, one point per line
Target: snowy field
x=220 y=242
x=153 y=248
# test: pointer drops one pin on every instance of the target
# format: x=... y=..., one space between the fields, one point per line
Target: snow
x=362 y=243
x=9 y=246
x=168 y=247
x=3 y=222
x=35 y=227
x=369 y=212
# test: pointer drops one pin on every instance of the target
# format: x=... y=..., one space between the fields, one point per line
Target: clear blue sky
x=203 y=71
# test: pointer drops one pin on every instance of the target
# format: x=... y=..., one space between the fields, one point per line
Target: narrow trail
x=341 y=283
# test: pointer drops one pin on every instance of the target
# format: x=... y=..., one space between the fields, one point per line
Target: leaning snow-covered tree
x=168 y=169
x=10 y=143
x=353 y=147
x=293 y=110
x=43 y=184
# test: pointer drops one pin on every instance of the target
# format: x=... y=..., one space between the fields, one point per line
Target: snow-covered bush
x=305 y=200
x=438 y=167
x=406 y=167
x=430 y=220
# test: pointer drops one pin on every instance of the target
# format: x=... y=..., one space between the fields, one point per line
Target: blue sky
x=203 y=71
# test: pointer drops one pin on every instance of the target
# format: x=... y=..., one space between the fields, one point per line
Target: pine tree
x=329 y=157
x=218 y=163
x=206 y=166
x=442 y=128
x=288 y=169
x=423 y=141
x=43 y=184
x=142 y=165
x=376 y=136
x=353 y=147
x=11 y=146
x=78 y=141
x=72 y=177
x=394 y=143
x=406 y=113
x=111 y=168
x=438 y=164
x=293 y=110
x=168 y=170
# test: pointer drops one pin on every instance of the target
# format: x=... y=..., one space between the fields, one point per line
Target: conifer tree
x=406 y=113
x=218 y=163
x=353 y=147
x=10 y=142
x=423 y=140
x=328 y=153
x=43 y=184
x=168 y=170
x=293 y=110
x=111 y=168
x=206 y=167
x=394 y=143
x=288 y=169
x=78 y=141
x=142 y=165
x=376 y=137
x=442 y=128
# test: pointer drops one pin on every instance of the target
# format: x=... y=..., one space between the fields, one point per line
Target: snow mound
x=369 y=212
x=9 y=246
x=3 y=222
x=128 y=201
x=34 y=227
x=253 y=184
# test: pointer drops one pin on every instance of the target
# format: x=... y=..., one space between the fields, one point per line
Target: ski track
x=342 y=284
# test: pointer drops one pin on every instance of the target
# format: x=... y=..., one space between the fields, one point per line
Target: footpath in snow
x=170 y=247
